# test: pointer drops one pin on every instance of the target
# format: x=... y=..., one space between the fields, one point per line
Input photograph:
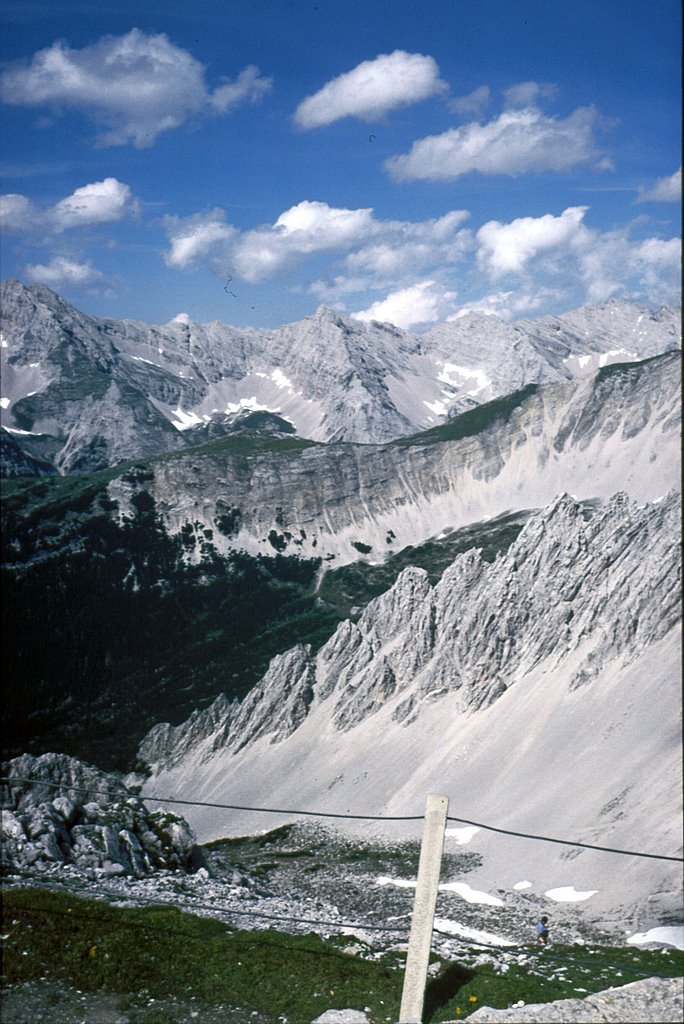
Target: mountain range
x=81 y=393
x=338 y=565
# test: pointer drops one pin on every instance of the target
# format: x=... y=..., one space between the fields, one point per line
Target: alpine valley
x=337 y=566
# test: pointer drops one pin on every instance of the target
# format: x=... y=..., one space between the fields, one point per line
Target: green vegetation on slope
x=351 y=587
x=472 y=422
x=163 y=951
x=94 y=945
x=108 y=628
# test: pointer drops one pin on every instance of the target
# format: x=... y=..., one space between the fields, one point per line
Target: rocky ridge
x=618 y=430
x=59 y=811
x=603 y=589
x=651 y=1001
x=87 y=393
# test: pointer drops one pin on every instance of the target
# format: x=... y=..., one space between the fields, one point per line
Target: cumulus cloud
x=510 y=305
x=665 y=190
x=526 y=94
x=472 y=105
x=372 y=89
x=63 y=271
x=421 y=303
x=100 y=202
x=249 y=87
x=550 y=257
x=509 y=248
x=400 y=247
x=135 y=86
x=528 y=265
x=17 y=213
x=649 y=269
x=303 y=230
x=516 y=142
x=202 y=236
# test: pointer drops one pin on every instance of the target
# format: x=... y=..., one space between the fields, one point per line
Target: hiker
x=542 y=931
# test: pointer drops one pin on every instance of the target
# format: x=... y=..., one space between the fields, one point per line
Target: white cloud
x=303 y=230
x=372 y=89
x=474 y=104
x=63 y=271
x=135 y=85
x=551 y=257
x=516 y=142
x=202 y=236
x=420 y=303
x=249 y=87
x=402 y=247
x=610 y=263
x=510 y=305
x=509 y=248
x=526 y=94
x=101 y=202
x=665 y=190
x=534 y=263
x=17 y=213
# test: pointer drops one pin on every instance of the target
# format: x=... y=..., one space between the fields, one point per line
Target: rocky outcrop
x=108 y=390
x=596 y=591
x=617 y=430
x=651 y=1001
x=57 y=810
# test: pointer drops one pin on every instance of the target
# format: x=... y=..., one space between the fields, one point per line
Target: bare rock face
x=105 y=390
x=618 y=430
x=651 y=1001
x=598 y=590
x=72 y=813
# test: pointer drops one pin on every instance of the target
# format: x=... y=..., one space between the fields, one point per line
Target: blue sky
x=248 y=160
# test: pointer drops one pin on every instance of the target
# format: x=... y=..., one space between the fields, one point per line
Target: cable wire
x=347 y=816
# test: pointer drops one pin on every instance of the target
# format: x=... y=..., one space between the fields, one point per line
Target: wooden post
x=422 y=921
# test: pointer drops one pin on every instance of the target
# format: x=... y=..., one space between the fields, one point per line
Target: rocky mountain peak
x=125 y=389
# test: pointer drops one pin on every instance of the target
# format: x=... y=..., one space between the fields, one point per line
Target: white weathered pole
x=423 y=918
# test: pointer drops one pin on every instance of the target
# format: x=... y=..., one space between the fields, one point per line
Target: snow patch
x=485 y=938
x=460 y=888
x=137 y=359
x=569 y=894
x=280 y=380
x=27 y=433
x=471 y=895
x=4 y=403
x=462 y=835
x=671 y=935
x=605 y=356
x=438 y=408
x=519 y=886
x=246 y=403
x=458 y=375
x=185 y=419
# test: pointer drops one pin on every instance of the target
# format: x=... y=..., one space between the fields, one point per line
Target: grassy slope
x=93 y=945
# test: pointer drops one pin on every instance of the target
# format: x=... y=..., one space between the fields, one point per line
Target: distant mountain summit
x=81 y=393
